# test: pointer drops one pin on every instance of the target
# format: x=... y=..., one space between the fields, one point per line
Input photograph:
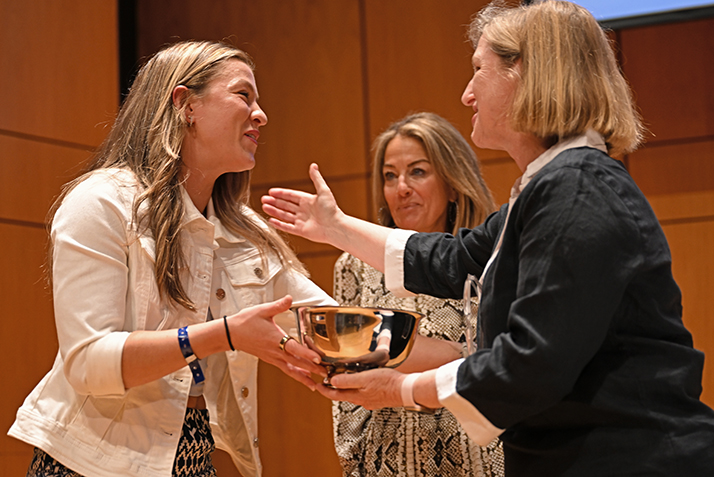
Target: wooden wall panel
x=419 y=59
x=308 y=75
x=300 y=441
x=668 y=66
x=670 y=169
x=58 y=90
x=60 y=68
x=500 y=175
x=322 y=268
x=33 y=175
x=683 y=207
x=27 y=330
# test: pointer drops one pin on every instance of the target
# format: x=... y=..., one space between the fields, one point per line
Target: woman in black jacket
x=584 y=365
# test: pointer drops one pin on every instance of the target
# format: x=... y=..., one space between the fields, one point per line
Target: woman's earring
x=383 y=216
x=190 y=121
x=453 y=212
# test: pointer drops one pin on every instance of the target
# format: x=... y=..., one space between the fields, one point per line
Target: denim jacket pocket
x=248 y=269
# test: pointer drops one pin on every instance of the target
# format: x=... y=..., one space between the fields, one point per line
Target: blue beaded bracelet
x=188 y=355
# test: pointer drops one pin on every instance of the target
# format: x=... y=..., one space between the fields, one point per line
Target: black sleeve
x=437 y=264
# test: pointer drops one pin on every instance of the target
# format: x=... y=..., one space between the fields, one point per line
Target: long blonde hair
x=146 y=139
x=454 y=162
x=569 y=78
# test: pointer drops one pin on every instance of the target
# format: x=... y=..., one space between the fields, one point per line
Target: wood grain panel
x=500 y=176
x=27 y=329
x=692 y=260
x=419 y=59
x=671 y=169
x=58 y=91
x=15 y=464
x=33 y=175
x=294 y=422
x=688 y=206
x=308 y=75
x=671 y=73
x=297 y=425
x=60 y=68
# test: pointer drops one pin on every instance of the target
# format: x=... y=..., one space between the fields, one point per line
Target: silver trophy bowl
x=351 y=339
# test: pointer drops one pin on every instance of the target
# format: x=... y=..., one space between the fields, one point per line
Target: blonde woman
x=165 y=283
x=585 y=367
x=425 y=177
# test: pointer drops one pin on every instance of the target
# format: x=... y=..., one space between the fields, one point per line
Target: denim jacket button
x=220 y=293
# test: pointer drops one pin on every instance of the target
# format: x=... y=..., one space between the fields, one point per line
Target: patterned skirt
x=193 y=456
x=394 y=442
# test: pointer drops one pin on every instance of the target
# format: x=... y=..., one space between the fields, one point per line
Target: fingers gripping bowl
x=351 y=339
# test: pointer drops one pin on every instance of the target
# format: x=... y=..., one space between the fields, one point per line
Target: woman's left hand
x=254 y=331
x=373 y=389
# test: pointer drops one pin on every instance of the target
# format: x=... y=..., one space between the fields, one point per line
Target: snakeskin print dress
x=393 y=441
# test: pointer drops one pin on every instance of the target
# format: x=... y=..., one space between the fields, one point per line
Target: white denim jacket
x=104 y=288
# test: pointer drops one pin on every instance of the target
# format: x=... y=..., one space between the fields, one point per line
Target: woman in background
x=161 y=273
x=425 y=177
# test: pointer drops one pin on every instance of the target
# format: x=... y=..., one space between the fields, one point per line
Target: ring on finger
x=283 y=341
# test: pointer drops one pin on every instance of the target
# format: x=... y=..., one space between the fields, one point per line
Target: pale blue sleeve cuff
x=478 y=428
x=394 y=262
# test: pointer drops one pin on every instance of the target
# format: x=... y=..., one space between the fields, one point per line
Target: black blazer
x=584 y=359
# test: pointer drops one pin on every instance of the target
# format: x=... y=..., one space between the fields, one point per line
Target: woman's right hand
x=150 y=355
x=317 y=217
x=380 y=388
x=254 y=331
x=312 y=216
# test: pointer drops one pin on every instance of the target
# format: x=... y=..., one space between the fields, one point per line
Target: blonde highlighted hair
x=454 y=162
x=146 y=139
x=569 y=78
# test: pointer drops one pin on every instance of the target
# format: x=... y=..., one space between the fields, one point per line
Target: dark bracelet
x=188 y=355
x=228 y=333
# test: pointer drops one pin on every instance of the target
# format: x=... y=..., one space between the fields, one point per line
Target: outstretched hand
x=312 y=216
x=254 y=331
x=317 y=217
x=373 y=389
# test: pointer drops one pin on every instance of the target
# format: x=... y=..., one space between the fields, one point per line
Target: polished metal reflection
x=468 y=315
x=351 y=339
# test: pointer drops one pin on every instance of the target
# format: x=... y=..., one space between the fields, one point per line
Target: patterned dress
x=393 y=441
x=193 y=456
